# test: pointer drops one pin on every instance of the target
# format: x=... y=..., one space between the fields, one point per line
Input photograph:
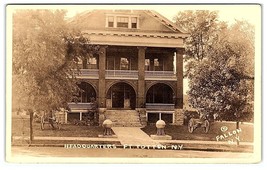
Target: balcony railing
x=122 y=74
x=125 y=74
x=87 y=73
x=159 y=106
x=160 y=75
x=81 y=106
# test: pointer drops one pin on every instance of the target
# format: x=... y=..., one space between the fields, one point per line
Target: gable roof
x=165 y=21
x=79 y=18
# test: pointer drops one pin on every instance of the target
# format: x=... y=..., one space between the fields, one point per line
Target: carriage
x=198 y=120
x=196 y=123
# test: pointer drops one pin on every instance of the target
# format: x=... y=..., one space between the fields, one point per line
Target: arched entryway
x=121 y=95
x=160 y=103
x=159 y=93
x=87 y=93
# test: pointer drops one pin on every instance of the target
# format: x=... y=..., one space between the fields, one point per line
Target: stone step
x=123 y=118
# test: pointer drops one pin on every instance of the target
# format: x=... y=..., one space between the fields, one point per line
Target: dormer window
x=110 y=21
x=134 y=22
x=121 y=21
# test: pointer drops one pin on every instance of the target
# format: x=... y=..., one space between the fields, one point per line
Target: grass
x=21 y=127
x=181 y=133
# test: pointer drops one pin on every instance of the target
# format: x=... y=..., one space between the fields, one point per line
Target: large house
x=138 y=76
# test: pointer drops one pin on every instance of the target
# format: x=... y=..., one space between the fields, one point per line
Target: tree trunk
x=237 y=127
x=31 y=129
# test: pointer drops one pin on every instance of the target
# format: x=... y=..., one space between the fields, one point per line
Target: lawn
x=181 y=133
x=21 y=127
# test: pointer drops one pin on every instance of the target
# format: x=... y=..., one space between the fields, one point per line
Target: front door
x=117 y=99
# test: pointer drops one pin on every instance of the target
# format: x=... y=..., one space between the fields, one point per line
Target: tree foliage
x=203 y=28
x=222 y=82
x=45 y=50
x=219 y=65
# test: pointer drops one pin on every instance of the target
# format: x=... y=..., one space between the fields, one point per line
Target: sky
x=226 y=12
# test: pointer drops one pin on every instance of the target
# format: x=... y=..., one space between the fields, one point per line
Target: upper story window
x=110 y=21
x=156 y=62
x=124 y=64
x=147 y=64
x=122 y=22
x=92 y=61
x=134 y=22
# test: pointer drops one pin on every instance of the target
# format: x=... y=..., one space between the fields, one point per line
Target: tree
x=222 y=83
x=45 y=52
x=203 y=28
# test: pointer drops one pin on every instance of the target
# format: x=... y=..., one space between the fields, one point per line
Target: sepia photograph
x=133 y=83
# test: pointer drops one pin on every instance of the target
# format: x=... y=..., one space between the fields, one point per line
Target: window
x=133 y=22
x=110 y=21
x=92 y=63
x=124 y=64
x=91 y=60
x=122 y=22
x=147 y=64
x=156 y=62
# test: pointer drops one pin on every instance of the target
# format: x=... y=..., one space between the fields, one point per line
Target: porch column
x=179 y=75
x=141 y=77
x=102 y=80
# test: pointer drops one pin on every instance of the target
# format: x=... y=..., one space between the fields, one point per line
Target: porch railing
x=161 y=75
x=86 y=73
x=127 y=74
x=159 y=106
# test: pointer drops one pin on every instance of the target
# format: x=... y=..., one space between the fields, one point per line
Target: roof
x=154 y=30
x=163 y=20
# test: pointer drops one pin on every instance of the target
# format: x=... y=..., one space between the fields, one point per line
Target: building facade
x=137 y=78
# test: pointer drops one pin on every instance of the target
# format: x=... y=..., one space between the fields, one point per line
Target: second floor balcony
x=122 y=74
x=160 y=75
x=87 y=73
x=126 y=74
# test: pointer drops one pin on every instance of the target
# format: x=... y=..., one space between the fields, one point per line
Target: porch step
x=123 y=118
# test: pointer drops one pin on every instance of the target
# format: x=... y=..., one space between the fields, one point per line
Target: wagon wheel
x=206 y=126
x=191 y=125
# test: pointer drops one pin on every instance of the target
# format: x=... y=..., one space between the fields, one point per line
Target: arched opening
x=87 y=93
x=121 y=95
x=159 y=93
x=160 y=103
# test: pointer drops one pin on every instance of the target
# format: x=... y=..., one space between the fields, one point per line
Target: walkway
x=133 y=136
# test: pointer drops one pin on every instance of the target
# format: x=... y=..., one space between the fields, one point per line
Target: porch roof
x=147 y=39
